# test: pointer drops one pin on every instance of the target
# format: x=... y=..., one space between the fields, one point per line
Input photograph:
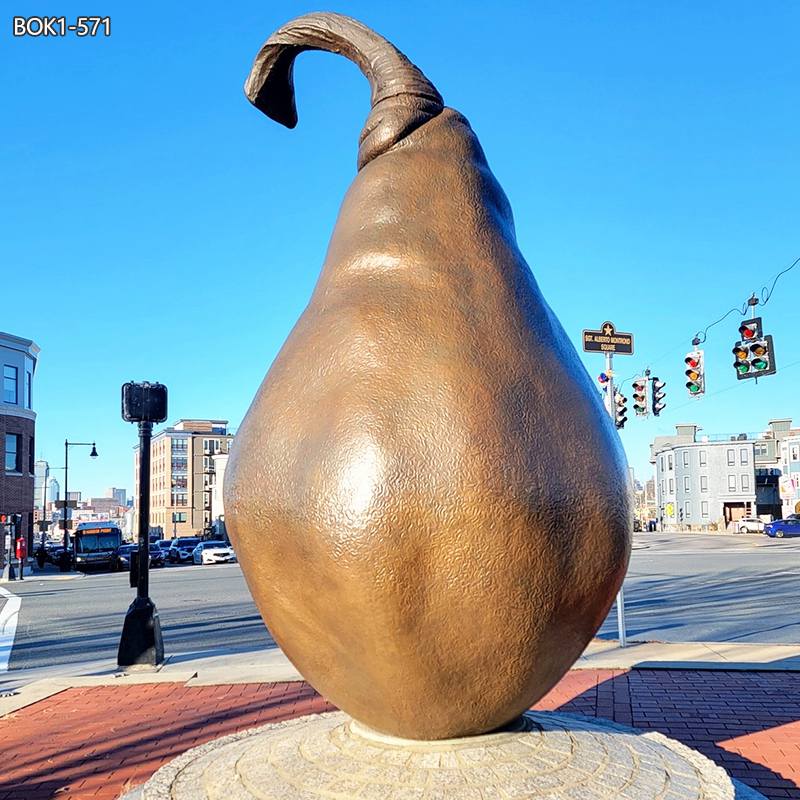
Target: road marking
x=9 y=615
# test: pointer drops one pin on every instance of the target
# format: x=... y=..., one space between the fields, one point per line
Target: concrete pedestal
x=547 y=756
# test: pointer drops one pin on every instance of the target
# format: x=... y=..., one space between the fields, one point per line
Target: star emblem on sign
x=608 y=330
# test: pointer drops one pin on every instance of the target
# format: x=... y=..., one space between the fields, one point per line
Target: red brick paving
x=93 y=743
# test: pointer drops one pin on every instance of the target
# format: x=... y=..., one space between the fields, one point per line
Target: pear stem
x=403 y=99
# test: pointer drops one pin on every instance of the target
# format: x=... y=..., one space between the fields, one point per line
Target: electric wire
x=765 y=295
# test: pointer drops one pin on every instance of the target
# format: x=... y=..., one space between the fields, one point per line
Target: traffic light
x=754 y=355
x=658 y=403
x=640 y=406
x=620 y=410
x=695 y=373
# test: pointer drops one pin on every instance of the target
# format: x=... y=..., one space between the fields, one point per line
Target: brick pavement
x=92 y=743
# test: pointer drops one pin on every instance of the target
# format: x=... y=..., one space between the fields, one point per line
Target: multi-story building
x=17 y=429
x=41 y=476
x=181 y=474
x=712 y=481
x=703 y=484
x=120 y=495
x=53 y=490
x=790 y=476
x=217 y=500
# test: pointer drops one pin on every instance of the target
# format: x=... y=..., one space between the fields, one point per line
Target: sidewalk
x=98 y=732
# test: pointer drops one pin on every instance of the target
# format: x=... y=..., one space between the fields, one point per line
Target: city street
x=680 y=587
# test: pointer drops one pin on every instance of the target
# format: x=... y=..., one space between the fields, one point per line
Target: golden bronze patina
x=430 y=504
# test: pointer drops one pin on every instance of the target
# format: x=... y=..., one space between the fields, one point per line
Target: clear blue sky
x=156 y=226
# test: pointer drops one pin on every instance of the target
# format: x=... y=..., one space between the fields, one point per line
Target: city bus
x=95 y=545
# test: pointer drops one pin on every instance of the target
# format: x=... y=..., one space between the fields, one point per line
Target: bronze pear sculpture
x=430 y=505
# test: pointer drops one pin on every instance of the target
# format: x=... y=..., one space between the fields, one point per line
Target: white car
x=750 y=525
x=213 y=553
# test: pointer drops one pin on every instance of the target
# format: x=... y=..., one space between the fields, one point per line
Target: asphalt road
x=711 y=588
x=72 y=621
x=680 y=587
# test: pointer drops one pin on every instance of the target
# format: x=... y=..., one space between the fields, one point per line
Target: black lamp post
x=93 y=454
x=141 y=643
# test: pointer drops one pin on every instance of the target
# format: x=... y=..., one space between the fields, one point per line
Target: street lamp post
x=141 y=643
x=93 y=454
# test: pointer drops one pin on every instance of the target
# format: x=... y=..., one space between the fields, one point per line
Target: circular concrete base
x=547 y=756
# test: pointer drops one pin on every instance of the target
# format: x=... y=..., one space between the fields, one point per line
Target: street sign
x=69 y=503
x=608 y=340
x=65 y=524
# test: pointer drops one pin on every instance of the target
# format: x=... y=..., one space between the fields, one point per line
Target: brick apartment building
x=182 y=476
x=17 y=429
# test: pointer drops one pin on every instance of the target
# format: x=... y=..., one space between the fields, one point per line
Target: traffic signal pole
x=141 y=643
x=623 y=639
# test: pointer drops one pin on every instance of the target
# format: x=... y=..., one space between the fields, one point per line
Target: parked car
x=213 y=553
x=181 y=548
x=52 y=549
x=749 y=525
x=124 y=555
x=164 y=546
x=127 y=551
x=783 y=527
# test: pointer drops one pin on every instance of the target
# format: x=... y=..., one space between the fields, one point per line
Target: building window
x=685 y=458
x=760 y=448
x=794 y=452
x=31 y=460
x=671 y=486
x=731 y=458
x=28 y=389
x=704 y=508
x=662 y=463
x=180 y=446
x=9 y=385
x=743 y=458
x=731 y=483
x=685 y=483
x=703 y=461
x=745 y=483
x=669 y=461
x=13 y=452
x=687 y=509
x=663 y=486
x=704 y=483
x=180 y=499
x=180 y=464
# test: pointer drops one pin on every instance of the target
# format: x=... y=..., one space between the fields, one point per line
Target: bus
x=95 y=545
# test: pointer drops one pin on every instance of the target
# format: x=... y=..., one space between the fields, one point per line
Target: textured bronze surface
x=429 y=502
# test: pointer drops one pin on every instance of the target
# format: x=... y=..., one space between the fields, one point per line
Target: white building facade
x=790 y=476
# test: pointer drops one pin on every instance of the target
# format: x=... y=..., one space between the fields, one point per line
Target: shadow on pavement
x=720 y=607
x=100 y=741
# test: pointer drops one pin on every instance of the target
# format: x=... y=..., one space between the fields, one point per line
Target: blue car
x=783 y=527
